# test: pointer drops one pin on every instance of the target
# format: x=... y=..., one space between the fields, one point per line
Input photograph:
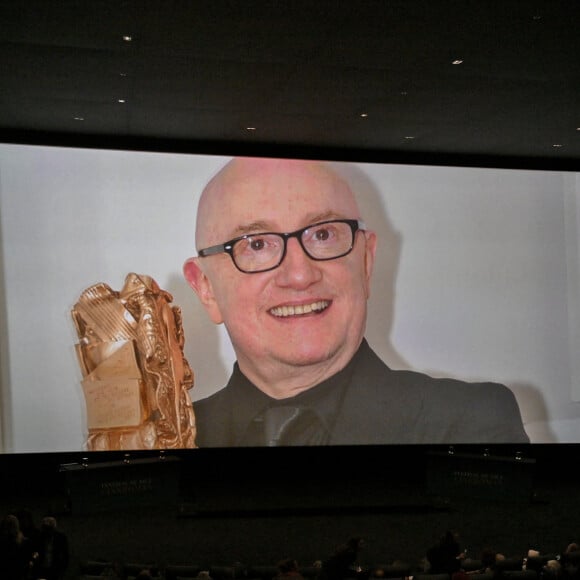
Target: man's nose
x=297 y=269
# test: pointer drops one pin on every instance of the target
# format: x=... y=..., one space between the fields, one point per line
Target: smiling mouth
x=300 y=309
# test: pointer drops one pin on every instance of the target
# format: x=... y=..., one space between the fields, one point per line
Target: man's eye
x=257 y=244
x=322 y=235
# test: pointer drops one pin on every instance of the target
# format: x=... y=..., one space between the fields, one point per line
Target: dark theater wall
x=257 y=506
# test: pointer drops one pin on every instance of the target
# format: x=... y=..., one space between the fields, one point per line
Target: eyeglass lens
x=321 y=242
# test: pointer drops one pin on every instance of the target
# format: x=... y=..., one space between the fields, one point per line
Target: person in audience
x=498 y=567
x=15 y=550
x=572 y=547
x=29 y=528
x=288 y=568
x=552 y=569
x=533 y=561
x=446 y=555
x=377 y=572
x=284 y=261
x=344 y=562
x=488 y=558
x=490 y=563
x=570 y=560
x=53 y=551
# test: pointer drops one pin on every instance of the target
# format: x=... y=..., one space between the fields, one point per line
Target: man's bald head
x=242 y=178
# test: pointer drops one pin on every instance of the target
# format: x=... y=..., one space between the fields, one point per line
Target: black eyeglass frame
x=228 y=247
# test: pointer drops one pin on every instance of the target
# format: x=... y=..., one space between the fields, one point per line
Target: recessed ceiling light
x=79 y=118
x=557 y=145
x=364 y=115
x=457 y=61
x=250 y=128
x=122 y=101
x=127 y=38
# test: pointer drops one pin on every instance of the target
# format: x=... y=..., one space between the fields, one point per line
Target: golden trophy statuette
x=135 y=376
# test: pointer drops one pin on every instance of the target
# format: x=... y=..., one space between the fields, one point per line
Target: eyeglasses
x=253 y=253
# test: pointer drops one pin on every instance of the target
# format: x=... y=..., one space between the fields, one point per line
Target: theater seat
x=310 y=572
x=220 y=572
x=427 y=576
x=131 y=569
x=94 y=567
x=521 y=575
x=261 y=572
x=175 y=571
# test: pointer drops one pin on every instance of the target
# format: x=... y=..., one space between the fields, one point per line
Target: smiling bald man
x=285 y=262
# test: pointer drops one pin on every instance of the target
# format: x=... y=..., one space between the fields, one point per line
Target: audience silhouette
x=344 y=562
x=445 y=556
x=15 y=550
x=53 y=552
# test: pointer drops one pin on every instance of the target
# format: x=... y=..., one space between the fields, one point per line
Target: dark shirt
x=343 y=563
x=53 y=558
x=443 y=558
x=15 y=558
x=365 y=403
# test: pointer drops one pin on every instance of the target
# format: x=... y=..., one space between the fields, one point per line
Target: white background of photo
x=477 y=277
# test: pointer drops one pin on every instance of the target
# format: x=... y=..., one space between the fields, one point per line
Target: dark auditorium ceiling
x=487 y=82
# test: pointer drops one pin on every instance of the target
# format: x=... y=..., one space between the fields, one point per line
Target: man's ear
x=370 y=251
x=201 y=285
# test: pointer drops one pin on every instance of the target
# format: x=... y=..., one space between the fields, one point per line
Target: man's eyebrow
x=259 y=226
x=252 y=228
x=322 y=217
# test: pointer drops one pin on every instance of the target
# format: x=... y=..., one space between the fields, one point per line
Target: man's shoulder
x=385 y=401
x=212 y=419
x=214 y=400
x=430 y=385
x=224 y=397
x=413 y=383
x=450 y=393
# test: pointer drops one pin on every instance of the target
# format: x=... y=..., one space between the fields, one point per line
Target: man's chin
x=305 y=356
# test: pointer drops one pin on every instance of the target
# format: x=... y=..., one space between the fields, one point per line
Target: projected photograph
x=180 y=301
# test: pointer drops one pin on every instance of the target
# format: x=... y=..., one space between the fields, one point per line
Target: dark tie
x=285 y=425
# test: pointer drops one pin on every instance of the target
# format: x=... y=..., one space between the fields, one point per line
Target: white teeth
x=284 y=311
